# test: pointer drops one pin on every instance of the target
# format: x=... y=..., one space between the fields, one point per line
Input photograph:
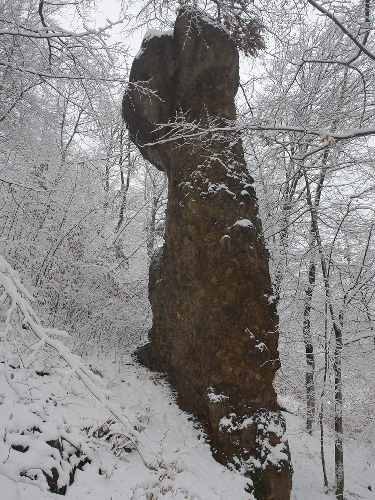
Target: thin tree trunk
x=309 y=349
x=307 y=337
x=321 y=413
x=339 y=452
x=151 y=227
x=322 y=454
x=124 y=183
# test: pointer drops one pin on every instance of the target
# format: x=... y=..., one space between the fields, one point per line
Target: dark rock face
x=215 y=324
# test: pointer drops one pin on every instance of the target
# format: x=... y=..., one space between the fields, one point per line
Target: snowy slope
x=175 y=463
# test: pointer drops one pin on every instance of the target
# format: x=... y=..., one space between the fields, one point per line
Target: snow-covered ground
x=173 y=460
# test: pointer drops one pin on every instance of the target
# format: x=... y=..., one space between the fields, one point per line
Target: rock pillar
x=215 y=326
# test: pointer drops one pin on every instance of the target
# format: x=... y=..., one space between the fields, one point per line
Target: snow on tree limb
x=20 y=300
x=345 y=30
x=57 y=32
x=359 y=337
x=185 y=131
x=59 y=76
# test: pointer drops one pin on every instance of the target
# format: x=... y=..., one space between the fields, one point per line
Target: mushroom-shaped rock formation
x=215 y=325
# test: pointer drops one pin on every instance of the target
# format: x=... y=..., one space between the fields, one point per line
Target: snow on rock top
x=151 y=33
x=243 y=223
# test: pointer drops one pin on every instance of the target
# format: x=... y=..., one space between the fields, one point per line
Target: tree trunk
x=124 y=183
x=339 y=452
x=309 y=349
x=152 y=226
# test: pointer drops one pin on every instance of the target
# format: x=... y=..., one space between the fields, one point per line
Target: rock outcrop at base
x=215 y=325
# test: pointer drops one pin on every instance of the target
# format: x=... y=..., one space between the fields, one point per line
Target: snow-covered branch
x=57 y=32
x=188 y=131
x=60 y=76
x=20 y=300
x=345 y=30
x=360 y=337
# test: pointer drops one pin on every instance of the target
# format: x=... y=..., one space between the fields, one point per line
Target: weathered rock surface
x=215 y=324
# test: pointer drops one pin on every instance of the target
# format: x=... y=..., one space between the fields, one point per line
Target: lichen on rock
x=215 y=331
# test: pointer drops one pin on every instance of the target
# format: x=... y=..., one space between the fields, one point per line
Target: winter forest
x=83 y=214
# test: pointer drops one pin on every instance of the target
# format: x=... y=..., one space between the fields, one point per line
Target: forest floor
x=173 y=462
